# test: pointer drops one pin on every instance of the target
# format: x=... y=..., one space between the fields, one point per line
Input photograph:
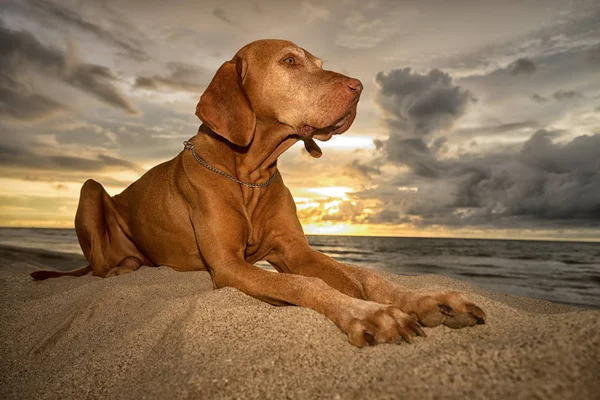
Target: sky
x=478 y=118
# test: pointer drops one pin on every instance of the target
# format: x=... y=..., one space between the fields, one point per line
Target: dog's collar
x=188 y=145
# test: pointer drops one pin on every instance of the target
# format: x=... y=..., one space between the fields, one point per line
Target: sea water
x=563 y=272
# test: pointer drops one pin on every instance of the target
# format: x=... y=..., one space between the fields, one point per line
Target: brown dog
x=220 y=205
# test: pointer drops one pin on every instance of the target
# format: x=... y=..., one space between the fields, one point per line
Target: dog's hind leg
x=103 y=236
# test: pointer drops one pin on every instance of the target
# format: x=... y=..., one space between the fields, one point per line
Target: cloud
x=545 y=182
x=97 y=81
x=59 y=177
x=20 y=102
x=559 y=95
x=498 y=129
x=411 y=152
x=332 y=210
x=539 y=180
x=363 y=170
x=419 y=104
x=522 y=66
x=361 y=32
x=538 y=98
x=562 y=95
x=314 y=12
x=416 y=106
x=345 y=211
x=225 y=16
x=222 y=15
x=67 y=16
x=22 y=56
x=21 y=157
x=183 y=77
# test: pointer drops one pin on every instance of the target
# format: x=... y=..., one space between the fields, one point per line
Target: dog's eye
x=290 y=61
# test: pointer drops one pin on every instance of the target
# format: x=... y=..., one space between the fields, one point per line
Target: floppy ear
x=224 y=107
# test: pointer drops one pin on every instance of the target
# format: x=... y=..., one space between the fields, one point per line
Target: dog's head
x=279 y=81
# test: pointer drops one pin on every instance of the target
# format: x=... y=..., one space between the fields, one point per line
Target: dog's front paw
x=450 y=308
x=369 y=323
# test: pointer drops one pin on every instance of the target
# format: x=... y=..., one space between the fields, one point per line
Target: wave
x=484 y=275
x=595 y=279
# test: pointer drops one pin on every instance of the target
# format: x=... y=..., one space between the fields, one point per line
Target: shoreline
x=62 y=261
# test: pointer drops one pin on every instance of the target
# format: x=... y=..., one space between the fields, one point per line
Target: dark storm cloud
x=545 y=182
x=522 y=66
x=416 y=106
x=411 y=152
x=418 y=103
x=21 y=157
x=183 y=77
x=22 y=55
x=64 y=15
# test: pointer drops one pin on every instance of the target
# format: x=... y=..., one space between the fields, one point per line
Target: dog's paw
x=450 y=308
x=373 y=323
x=118 y=271
x=126 y=266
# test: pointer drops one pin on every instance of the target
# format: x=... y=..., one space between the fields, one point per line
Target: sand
x=157 y=333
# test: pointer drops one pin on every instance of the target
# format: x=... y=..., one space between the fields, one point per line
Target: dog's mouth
x=308 y=133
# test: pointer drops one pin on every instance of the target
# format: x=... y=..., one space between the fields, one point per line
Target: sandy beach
x=158 y=333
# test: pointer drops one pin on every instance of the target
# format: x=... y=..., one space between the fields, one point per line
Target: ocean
x=561 y=272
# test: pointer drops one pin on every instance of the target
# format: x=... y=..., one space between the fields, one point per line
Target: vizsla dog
x=220 y=205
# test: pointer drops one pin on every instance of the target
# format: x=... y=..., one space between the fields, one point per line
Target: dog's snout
x=354 y=85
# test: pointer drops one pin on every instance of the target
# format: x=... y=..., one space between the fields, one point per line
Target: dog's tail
x=41 y=275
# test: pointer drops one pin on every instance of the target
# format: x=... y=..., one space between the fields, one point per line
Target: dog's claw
x=406 y=335
x=369 y=338
x=416 y=327
x=477 y=312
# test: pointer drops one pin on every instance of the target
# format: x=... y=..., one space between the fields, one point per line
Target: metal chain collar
x=188 y=145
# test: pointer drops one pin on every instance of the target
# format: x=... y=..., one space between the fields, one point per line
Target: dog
x=221 y=205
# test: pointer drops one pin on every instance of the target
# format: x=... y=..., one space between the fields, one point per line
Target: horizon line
x=523 y=239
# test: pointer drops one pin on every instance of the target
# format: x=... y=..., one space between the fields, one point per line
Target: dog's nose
x=354 y=85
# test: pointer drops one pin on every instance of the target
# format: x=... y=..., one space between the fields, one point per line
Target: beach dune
x=157 y=333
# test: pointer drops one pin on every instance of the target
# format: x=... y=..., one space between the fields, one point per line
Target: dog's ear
x=224 y=106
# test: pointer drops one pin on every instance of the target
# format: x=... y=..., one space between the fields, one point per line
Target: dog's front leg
x=364 y=322
x=430 y=307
